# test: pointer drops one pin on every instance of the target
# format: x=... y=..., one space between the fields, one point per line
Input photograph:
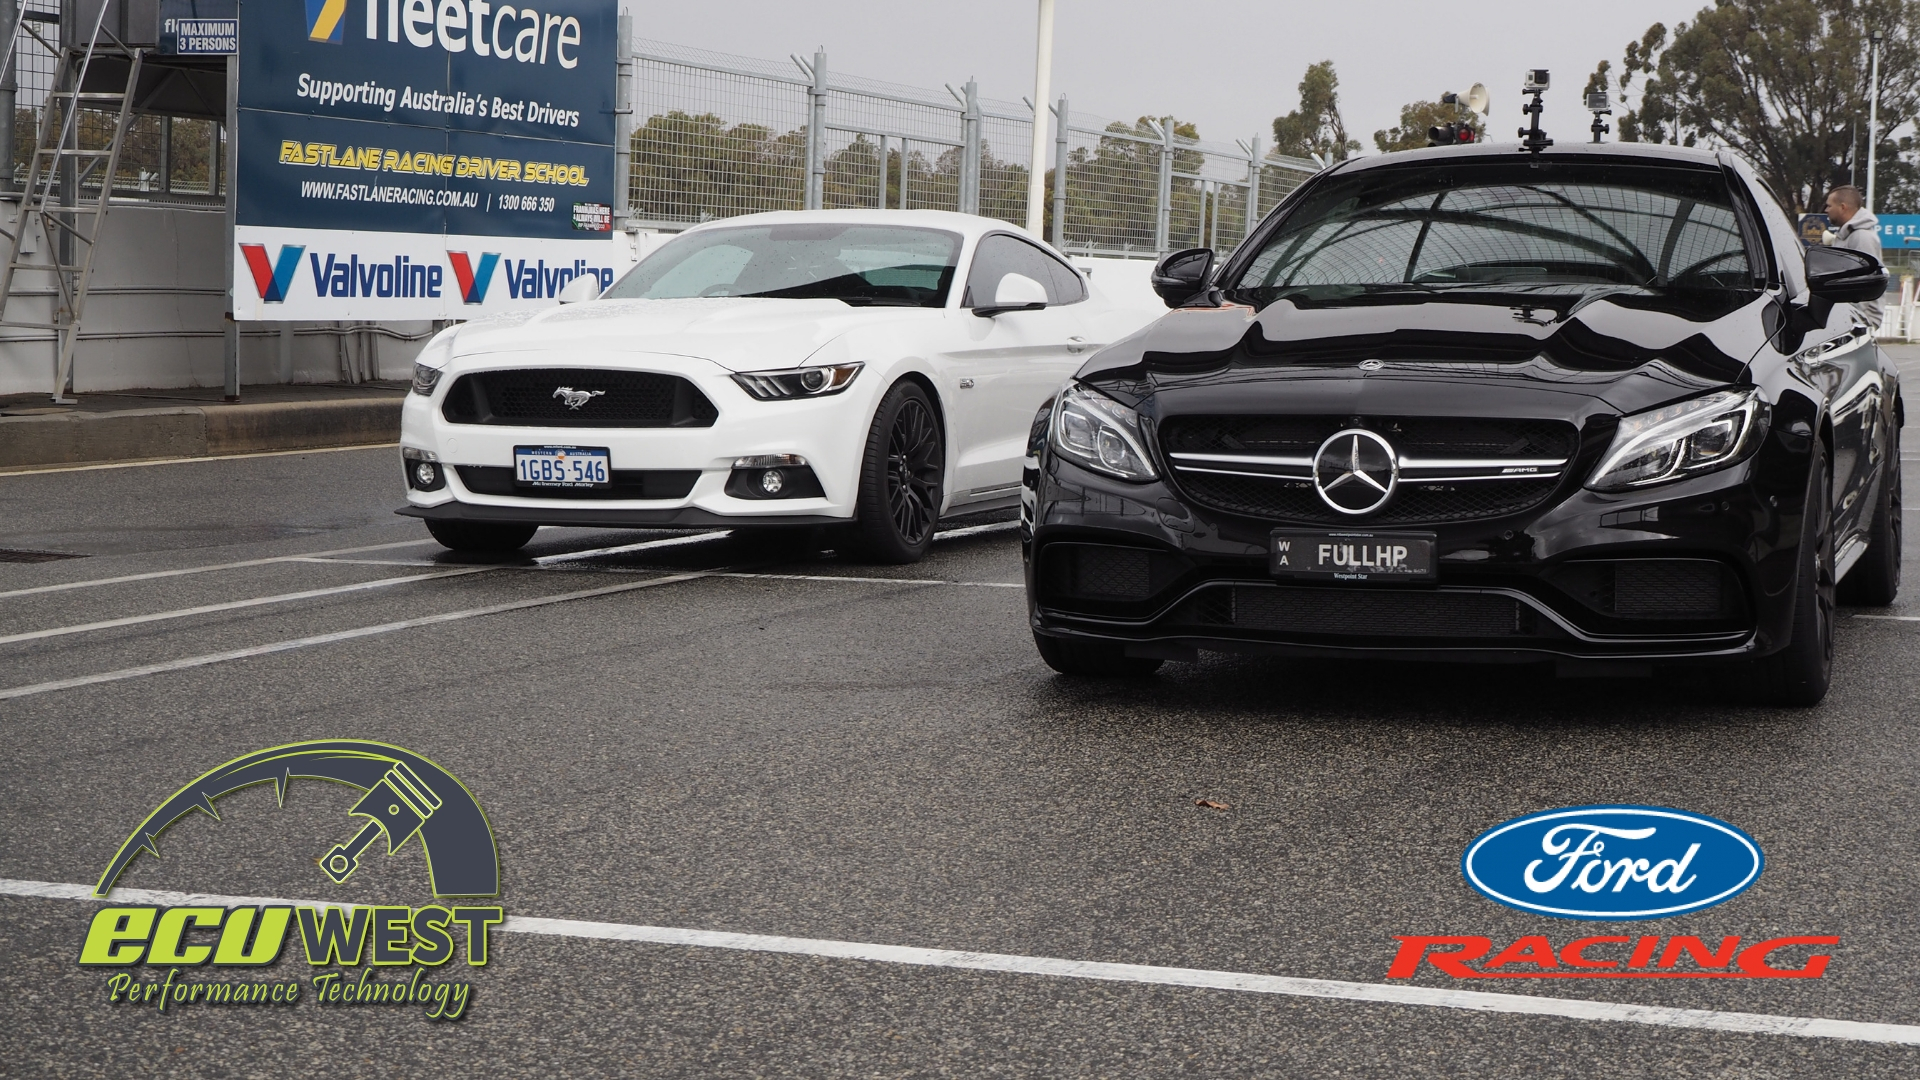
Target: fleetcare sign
x=1613 y=863
x=404 y=133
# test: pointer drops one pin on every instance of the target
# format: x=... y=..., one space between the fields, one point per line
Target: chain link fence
x=716 y=135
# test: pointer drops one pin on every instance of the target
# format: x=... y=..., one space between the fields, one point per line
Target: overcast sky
x=1230 y=68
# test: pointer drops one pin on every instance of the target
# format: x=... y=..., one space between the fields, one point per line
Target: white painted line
x=379 y=562
x=1005 y=963
x=203 y=457
x=183 y=571
x=1891 y=618
x=233 y=605
x=328 y=639
x=645 y=545
x=879 y=580
x=976 y=530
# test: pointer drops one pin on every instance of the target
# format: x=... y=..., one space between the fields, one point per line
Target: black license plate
x=1326 y=555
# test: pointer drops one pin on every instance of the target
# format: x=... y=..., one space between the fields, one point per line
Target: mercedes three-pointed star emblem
x=1355 y=471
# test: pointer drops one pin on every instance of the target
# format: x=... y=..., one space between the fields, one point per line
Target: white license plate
x=562 y=466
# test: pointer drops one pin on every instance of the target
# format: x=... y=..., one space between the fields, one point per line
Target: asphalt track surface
x=722 y=748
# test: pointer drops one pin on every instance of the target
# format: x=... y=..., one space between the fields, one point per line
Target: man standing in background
x=1855 y=227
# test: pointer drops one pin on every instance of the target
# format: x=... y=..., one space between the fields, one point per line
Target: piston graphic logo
x=410 y=802
x=272 y=279
x=326 y=20
x=473 y=277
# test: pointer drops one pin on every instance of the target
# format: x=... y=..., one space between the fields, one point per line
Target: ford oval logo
x=1612 y=862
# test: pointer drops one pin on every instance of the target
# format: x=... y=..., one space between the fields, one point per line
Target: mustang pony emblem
x=575 y=398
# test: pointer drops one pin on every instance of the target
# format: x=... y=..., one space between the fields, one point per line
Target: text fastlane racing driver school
x=455 y=159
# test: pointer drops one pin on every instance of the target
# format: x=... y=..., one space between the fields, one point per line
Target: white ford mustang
x=871 y=370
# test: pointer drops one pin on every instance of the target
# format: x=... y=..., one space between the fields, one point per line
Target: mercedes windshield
x=1479 y=230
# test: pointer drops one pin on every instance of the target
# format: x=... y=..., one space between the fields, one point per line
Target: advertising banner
x=421 y=159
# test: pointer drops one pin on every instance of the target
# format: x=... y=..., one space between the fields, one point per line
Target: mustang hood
x=738 y=333
x=1555 y=358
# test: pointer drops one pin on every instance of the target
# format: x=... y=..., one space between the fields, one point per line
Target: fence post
x=970 y=152
x=623 y=127
x=817 y=134
x=1060 y=176
x=1163 y=196
x=1253 y=186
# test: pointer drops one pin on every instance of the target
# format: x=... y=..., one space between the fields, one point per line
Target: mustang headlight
x=1681 y=440
x=427 y=366
x=1100 y=433
x=798 y=382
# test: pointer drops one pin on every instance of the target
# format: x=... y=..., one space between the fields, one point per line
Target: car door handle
x=1077 y=344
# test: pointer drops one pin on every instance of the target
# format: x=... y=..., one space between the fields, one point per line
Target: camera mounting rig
x=1532 y=139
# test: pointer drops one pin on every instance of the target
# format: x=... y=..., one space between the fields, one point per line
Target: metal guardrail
x=715 y=135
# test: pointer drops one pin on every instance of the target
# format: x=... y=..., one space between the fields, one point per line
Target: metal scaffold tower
x=61 y=170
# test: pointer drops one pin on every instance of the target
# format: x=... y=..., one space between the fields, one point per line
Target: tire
x=1799 y=674
x=901 y=478
x=1097 y=659
x=480 y=537
x=1874 y=581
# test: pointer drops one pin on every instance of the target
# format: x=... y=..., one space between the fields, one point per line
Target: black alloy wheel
x=1874 y=581
x=900 y=479
x=1800 y=673
x=481 y=537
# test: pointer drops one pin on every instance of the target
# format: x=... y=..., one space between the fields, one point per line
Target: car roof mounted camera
x=1532 y=139
x=1599 y=103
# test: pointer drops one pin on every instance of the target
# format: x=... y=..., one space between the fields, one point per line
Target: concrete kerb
x=196 y=431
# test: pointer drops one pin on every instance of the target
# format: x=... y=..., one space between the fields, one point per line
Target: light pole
x=1042 y=90
x=1873 y=117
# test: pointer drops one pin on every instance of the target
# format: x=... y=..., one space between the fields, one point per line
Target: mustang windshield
x=1500 y=227
x=858 y=264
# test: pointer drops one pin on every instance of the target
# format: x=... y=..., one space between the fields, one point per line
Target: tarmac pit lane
x=760 y=814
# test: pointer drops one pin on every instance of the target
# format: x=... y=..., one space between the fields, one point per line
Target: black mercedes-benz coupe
x=1595 y=406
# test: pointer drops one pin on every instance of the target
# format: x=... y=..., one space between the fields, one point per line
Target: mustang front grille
x=577 y=397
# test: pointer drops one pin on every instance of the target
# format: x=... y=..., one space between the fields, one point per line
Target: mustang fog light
x=773 y=476
x=1680 y=440
x=423 y=469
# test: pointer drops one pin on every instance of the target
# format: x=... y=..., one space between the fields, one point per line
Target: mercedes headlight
x=1681 y=440
x=798 y=382
x=427 y=366
x=1101 y=434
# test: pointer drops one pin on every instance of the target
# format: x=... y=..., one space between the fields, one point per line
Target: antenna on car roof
x=1532 y=139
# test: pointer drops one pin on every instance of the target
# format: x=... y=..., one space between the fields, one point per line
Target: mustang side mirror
x=582 y=288
x=1182 y=275
x=1016 y=292
x=1844 y=276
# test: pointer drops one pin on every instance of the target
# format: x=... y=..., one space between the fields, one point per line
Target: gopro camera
x=1537 y=81
x=1598 y=101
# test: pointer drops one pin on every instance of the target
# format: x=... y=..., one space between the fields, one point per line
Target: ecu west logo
x=406 y=797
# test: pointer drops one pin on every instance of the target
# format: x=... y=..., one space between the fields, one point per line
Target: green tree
x=1415 y=118
x=1779 y=81
x=1315 y=127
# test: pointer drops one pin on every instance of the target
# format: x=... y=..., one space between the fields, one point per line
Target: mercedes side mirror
x=1016 y=292
x=1182 y=275
x=582 y=288
x=1844 y=276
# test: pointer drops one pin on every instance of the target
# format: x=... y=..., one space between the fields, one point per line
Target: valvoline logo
x=1612 y=862
x=474 y=277
x=326 y=20
x=272 y=279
